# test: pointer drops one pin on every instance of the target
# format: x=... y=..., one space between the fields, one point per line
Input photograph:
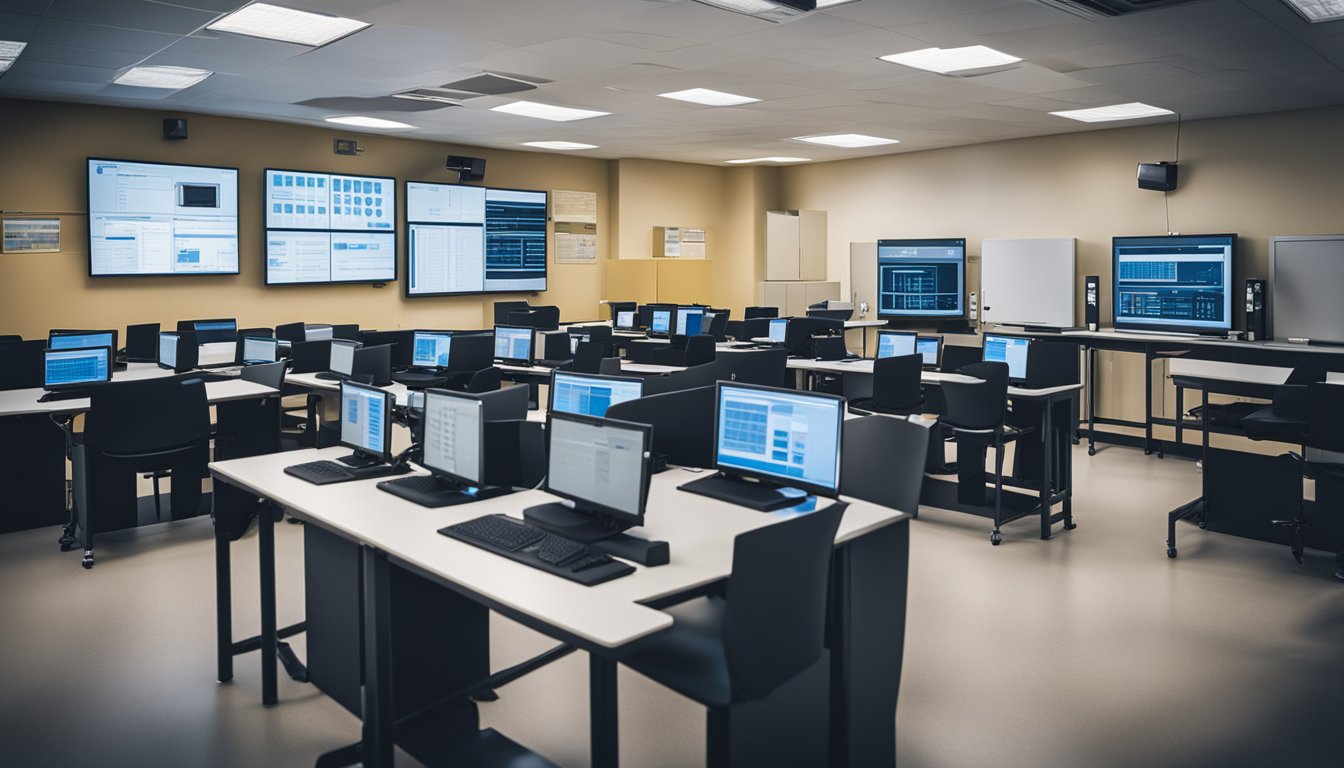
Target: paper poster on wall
x=575 y=242
x=31 y=236
x=574 y=206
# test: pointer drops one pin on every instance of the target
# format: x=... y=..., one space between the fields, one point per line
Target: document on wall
x=32 y=236
x=575 y=242
x=574 y=206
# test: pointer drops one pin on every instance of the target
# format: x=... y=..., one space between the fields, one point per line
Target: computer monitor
x=690 y=321
x=779 y=330
x=931 y=347
x=318 y=332
x=513 y=344
x=921 y=278
x=625 y=320
x=601 y=465
x=1177 y=283
x=1008 y=349
x=168 y=349
x=366 y=421
x=71 y=367
x=259 y=350
x=453 y=436
x=58 y=339
x=660 y=322
x=895 y=343
x=215 y=331
x=780 y=436
x=430 y=349
x=342 y=362
x=590 y=394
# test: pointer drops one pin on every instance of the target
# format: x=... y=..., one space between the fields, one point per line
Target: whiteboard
x=1305 y=276
x=1028 y=282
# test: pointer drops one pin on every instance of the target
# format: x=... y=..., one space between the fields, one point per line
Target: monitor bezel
x=266 y=230
x=889 y=332
x=778 y=480
x=1139 y=325
x=556 y=373
x=232 y=320
x=984 y=345
x=354 y=345
x=924 y=241
x=109 y=351
x=88 y=203
x=671 y=322
x=645 y=473
x=769 y=325
x=55 y=332
x=634 y=321
x=445 y=334
x=388 y=401
x=937 y=355
x=531 y=347
x=443 y=474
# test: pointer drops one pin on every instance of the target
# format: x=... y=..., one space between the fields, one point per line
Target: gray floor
x=1092 y=649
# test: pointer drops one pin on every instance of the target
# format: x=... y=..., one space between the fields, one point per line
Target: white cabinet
x=795 y=245
x=793 y=296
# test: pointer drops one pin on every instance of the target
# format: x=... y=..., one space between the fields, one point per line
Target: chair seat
x=1264 y=424
x=1010 y=433
x=689 y=657
x=867 y=405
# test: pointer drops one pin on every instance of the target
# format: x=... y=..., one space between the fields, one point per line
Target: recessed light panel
x=10 y=49
x=1129 y=111
x=169 y=78
x=288 y=25
x=847 y=140
x=547 y=111
x=1317 y=11
x=709 y=97
x=360 y=121
x=772 y=159
x=560 y=145
x=947 y=60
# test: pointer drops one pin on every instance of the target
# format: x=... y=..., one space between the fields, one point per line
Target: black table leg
x=602 y=712
x=1180 y=415
x=223 y=607
x=269 y=639
x=1047 y=462
x=1147 y=399
x=1066 y=474
x=1091 y=401
x=377 y=738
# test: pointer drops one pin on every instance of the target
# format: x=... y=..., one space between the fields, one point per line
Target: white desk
x=1268 y=375
x=311 y=381
x=19 y=402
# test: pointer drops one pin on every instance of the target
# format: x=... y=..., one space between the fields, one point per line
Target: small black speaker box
x=468 y=168
x=1092 y=301
x=174 y=128
x=1257 y=321
x=1157 y=176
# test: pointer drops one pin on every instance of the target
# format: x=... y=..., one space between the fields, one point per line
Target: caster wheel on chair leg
x=1171 y=551
x=87 y=562
x=1091 y=450
x=995 y=538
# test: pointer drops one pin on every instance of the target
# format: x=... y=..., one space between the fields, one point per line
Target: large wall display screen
x=1175 y=283
x=329 y=228
x=464 y=239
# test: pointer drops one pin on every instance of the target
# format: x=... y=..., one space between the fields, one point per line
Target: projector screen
x=157 y=219
x=329 y=228
x=464 y=239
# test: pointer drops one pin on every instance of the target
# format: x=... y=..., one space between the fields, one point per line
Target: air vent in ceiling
x=491 y=84
x=436 y=95
x=1105 y=9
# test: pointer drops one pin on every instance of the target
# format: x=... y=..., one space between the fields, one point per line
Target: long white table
x=600 y=619
x=19 y=402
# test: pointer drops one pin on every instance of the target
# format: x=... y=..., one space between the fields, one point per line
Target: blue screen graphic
x=75 y=340
x=789 y=436
x=662 y=321
x=431 y=350
x=1010 y=350
x=591 y=395
x=892 y=344
x=362 y=419
x=75 y=366
x=928 y=347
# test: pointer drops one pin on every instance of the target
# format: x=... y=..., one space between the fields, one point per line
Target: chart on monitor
x=466 y=239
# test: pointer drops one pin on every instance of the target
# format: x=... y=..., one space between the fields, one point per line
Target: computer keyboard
x=532 y=546
x=417 y=483
x=550 y=363
x=320 y=472
x=329 y=376
x=501 y=532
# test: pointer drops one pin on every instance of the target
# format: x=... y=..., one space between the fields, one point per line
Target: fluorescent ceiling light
x=10 y=49
x=766 y=10
x=360 y=121
x=172 y=78
x=287 y=25
x=1129 y=111
x=947 y=60
x=562 y=145
x=829 y=3
x=773 y=159
x=4 y=64
x=708 y=97
x=547 y=111
x=847 y=140
x=1317 y=11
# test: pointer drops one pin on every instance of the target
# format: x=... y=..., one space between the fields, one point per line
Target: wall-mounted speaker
x=1257 y=319
x=468 y=168
x=1157 y=176
x=174 y=128
x=1092 y=301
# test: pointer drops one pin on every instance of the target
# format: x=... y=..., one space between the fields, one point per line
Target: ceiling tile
x=132 y=14
x=100 y=38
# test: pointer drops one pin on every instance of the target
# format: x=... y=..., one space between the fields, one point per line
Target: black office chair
x=1288 y=416
x=503 y=309
x=976 y=413
x=831 y=348
x=691 y=378
x=144 y=425
x=882 y=461
x=767 y=367
x=610 y=366
x=142 y=343
x=588 y=357
x=768 y=628
x=21 y=364
x=718 y=327
x=484 y=380
x=755 y=312
x=1322 y=459
x=682 y=421
x=896 y=387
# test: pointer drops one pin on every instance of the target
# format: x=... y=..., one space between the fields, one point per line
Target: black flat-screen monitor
x=453 y=436
x=366 y=420
x=1008 y=349
x=329 y=228
x=160 y=219
x=895 y=343
x=921 y=278
x=602 y=465
x=464 y=239
x=781 y=436
x=590 y=394
x=76 y=367
x=1174 y=283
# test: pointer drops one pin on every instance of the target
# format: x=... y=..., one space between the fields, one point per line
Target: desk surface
x=865 y=366
x=311 y=381
x=19 y=402
x=1110 y=334
x=1236 y=372
x=699 y=530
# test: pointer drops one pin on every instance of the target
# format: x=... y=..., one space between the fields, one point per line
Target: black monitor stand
x=445 y=493
x=360 y=460
x=601 y=531
x=753 y=494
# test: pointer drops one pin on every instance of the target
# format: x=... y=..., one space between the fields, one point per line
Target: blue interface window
x=513 y=343
x=788 y=436
x=929 y=349
x=591 y=396
x=73 y=341
x=690 y=321
x=362 y=426
x=895 y=344
x=75 y=366
x=779 y=330
x=431 y=350
x=662 y=321
x=1010 y=350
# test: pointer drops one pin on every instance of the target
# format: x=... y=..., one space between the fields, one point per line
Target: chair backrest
x=267 y=374
x=310 y=356
x=896 y=382
x=882 y=461
x=610 y=366
x=765 y=312
x=471 y=352
x=956 y=355
x=699 y=350
x=485 y=380
x=347 y=331
x=504 y=308
x=9 y=338
x=1310 y=373
x=798 y=337
x=21 y=364
x=767 y=367
x=291 y=332
x=142 y=343
x=147 y=416
x=718 y=327
x=1326 y=431
x=588 y=357
x=682 y=421
x=830 y=348
x=978 y=405
x=402 y=341
x=775 y=621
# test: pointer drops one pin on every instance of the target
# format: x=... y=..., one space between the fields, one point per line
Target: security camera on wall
x=1157 y=176
x=468 y=168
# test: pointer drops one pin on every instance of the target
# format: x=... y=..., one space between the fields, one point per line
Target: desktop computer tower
x=1092 y=301
x=1257 y=320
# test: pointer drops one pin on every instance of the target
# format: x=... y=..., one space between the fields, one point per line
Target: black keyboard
x=532 y=546
x=329 y=376
x=417 y=483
